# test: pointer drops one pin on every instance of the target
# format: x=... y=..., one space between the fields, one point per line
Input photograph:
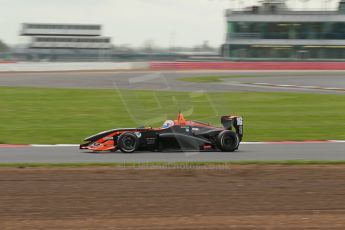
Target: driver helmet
x=168 y=124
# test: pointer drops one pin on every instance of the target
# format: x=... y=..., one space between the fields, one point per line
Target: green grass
x=169 y=165
x=50 y=116
x=213 y=79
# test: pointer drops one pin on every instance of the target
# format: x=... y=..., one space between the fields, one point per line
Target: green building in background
x=271 y=31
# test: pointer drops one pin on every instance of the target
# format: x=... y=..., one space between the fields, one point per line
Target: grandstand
x=273 y=31
x=70 y=42
x=35 y=29
x=65 y=41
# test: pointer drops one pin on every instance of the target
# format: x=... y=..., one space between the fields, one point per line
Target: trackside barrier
x=247 y=66
x=71 y=66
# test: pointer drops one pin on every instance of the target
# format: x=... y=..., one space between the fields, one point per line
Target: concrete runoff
x=168 y=81
x=247 y=152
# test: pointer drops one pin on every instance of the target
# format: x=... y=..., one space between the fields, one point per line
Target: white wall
x=71 y=66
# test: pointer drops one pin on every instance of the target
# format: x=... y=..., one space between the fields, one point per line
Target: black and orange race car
x=180 y=135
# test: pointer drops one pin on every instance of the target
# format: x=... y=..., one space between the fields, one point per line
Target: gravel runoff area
x=224 y=197
x=167 y=80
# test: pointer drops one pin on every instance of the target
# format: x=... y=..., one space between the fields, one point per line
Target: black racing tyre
x=128 y=142
x=228 y=141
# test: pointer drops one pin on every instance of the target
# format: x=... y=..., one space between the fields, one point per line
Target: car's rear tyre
x=128 y=142
x=228 y=141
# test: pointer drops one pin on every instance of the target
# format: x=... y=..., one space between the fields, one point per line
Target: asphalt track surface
x=168 y=81
x=247 y=152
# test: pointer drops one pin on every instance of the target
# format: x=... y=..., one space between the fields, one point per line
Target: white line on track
x=295 y=86
x=242 y=143
x=57 y=145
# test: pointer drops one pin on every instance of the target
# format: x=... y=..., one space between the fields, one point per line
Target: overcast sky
x=166 y=22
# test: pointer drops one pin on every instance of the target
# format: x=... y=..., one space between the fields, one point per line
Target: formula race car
x=180 y=134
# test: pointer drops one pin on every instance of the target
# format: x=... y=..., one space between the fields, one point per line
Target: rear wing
x=235 y=122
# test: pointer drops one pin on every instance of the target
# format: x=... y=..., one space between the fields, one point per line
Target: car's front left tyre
x=128 y=142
